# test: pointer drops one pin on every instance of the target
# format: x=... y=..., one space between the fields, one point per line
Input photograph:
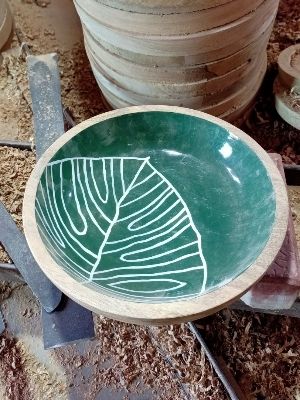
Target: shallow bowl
x=155 y=214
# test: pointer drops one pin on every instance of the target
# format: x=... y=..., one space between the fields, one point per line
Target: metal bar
x=16 y=245
x=68 y=118
x=294 y=311
x=292 y=174
x=24 y=46
x=2 y=324
x=231 y=379
x=9 y=273
x=226 y=378
x=17 y=144
x=46 y=103
x=70 y=322
x=176 y=374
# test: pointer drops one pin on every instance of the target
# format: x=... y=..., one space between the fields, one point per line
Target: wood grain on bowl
x=189 y=44
x=145 y=52
x=167 y=23
x=234 y=103
x=164 y=6
x=161 y=70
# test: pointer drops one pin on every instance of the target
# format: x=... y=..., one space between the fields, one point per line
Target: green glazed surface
x=155 y=206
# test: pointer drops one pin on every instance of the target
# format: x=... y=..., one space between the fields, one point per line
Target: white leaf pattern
x=118 y=223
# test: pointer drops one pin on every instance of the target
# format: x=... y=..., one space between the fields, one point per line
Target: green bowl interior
x=155 y=206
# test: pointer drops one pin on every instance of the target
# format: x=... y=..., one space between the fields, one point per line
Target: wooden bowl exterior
x=205 y=55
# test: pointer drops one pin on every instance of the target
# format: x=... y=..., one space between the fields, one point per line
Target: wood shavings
x=266 y=360
x=16 y=166
x=286 y=30
x=264 y=124
x=15 y=112
x=41 y=383
x=12 y=368
x=80 y=92
x=134 y=359
x=262 y=351
x=189 y=359
x=294 y=198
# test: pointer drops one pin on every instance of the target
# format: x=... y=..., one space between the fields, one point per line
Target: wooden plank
x=279 y=287
x=293 y=311
x=9 y=273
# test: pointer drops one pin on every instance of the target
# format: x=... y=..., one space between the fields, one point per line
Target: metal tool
x=18 y=144
x=15 y=244
x=293 y=311
x=219 y=367
x=44 y=86
x=292 y=174
x=70 y=322
x=9 y=273
x=2 y=324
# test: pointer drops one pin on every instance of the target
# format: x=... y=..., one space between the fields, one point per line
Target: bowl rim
x=156 y=313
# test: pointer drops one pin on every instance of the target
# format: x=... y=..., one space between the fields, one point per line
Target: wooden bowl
x=218 y=40
x=162 y=67
x=136 y=23
x=163 y=6
x=155 y=214
x=168 y=70
x=219 y=104
x=174 y=90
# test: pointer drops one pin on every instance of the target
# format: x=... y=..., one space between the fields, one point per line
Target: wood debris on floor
x=264 y=124
x=262 y=350
x=126 y=361
x=16 y=166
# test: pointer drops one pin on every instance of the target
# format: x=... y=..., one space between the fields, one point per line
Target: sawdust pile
x=80 y=92
x=178 y=343
x=294 y=198
x=134 y=356
x=132 y=359
x=286 y=30
x=264 y=124
x=16 y=166
x=43 y=378
x=41 y=383
x=15 y=112
x=6 y=290
x=263 y=352
x=11 y=366
x=25 y=378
